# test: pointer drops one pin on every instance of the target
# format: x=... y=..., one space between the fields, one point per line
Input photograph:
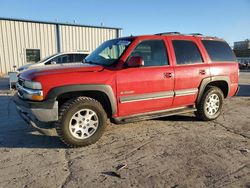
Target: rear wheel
x=82 y=122
x=210 y=105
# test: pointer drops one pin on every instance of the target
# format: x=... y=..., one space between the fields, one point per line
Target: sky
x=227 y=19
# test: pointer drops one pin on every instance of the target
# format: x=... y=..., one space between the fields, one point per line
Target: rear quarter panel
x=230 y=69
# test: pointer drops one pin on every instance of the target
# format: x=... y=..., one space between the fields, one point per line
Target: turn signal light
x=37 y=97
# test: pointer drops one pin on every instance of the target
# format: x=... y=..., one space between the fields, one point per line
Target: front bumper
x=45 y=111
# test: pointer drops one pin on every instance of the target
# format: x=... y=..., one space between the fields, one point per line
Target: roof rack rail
x=169 y=33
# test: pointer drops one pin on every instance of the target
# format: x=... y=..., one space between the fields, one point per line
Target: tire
x=211 y=103
x=81 y=122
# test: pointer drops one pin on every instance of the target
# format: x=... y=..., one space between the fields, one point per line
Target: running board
x=154 y=115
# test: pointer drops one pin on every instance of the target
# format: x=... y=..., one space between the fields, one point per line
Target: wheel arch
x=102 y=93
x=222 y=82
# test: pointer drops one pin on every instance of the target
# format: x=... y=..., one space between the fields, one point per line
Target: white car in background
x=59 y=58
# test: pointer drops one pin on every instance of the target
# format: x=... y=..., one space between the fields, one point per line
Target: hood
x=30 y=65
x=24 y=67
x=59 y=69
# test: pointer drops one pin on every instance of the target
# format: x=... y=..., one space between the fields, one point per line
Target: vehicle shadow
x=29 y=139
x=244 y=90
x=15 y=133
x=181 y=118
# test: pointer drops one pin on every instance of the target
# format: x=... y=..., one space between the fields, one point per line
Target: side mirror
x=135 y=61
x=53 y=62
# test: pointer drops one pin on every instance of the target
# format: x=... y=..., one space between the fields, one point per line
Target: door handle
x=202 y=72
x=168 y=75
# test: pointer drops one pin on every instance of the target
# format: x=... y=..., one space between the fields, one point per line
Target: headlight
x=32 y=85
x=30 y=90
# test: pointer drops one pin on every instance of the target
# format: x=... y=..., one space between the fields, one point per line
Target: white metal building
x=27 y=41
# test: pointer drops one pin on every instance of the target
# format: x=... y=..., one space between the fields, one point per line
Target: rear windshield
x=219 y=50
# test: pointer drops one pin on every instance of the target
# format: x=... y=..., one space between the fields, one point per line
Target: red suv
x=130 y=79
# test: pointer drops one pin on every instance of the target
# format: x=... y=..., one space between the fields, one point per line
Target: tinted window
x=153 y=53
x=218 y=50
x=186 y=52
x=64 y=59
x=68 y=58
x=52 y=60
x=79 y=57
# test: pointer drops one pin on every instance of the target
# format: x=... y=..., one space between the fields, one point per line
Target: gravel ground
x=177 y=151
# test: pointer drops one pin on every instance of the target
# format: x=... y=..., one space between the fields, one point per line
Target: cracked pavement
x=177 y=151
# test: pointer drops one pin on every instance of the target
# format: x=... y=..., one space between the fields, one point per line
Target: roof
x=166 y=34
x=57 y=23
x=174 y=34
x=190 y=34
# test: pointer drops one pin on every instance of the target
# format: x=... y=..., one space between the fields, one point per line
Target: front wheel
x=210 y=105
x=81 y=122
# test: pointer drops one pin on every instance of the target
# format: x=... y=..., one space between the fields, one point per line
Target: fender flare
x=208 y=80
x=106 y=89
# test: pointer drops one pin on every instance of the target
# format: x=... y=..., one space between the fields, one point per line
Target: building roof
x=57 y=23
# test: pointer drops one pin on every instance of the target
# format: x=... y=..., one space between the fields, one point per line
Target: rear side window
x=186 y=52
x=218 y=50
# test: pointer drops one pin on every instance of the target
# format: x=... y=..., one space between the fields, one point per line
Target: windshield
x=108 y=52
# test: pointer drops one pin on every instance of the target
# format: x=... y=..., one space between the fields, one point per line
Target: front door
x=146 y=88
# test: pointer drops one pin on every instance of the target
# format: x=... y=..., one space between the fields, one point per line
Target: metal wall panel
x=18 y=35
x=2 y=53
x=76 y=38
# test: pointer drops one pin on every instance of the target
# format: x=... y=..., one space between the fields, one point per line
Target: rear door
x=148 y=88
x=191 y=68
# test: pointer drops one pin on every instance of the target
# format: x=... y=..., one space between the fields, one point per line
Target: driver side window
x=153 y=53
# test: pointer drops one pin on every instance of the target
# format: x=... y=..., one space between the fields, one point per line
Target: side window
x=79 y=57
x=71 y=58
x=153 y=53
x=52 y=60
x=219 y=50
x=83 y=56
x=186 y=52
x=64 y=59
